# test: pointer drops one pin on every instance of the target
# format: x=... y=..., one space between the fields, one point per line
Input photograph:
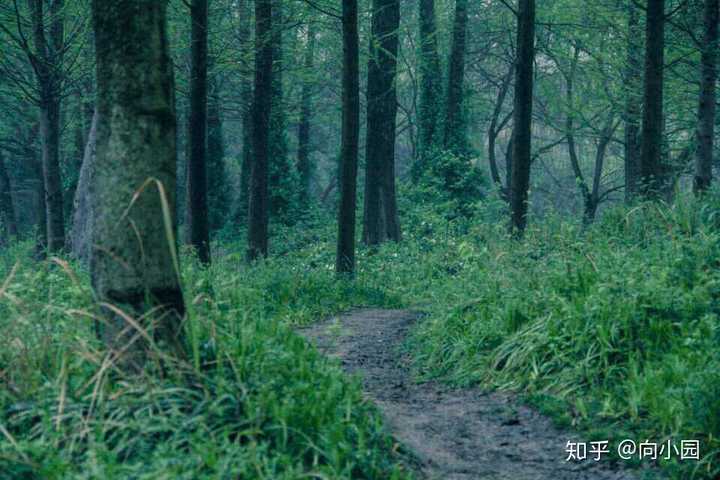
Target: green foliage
x=256 y=402
x=451 y=182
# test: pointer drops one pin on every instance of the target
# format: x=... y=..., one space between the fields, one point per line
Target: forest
x=359 y=239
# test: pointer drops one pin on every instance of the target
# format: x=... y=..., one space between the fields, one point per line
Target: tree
x=652 y=168
x=218 y=201
x=258 y=205
x=134 y=265
x=633 y=101
x=303 y=152
x=380 y=213
x=197 y=206
x=454 y=136
x=430 y=85
x=7 y=209
x=244 y=13
x=345 y=259
x=522 y=133
x=707 y=100
x=46 y=60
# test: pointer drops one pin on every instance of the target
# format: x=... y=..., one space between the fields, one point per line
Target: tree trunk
x=134 y=265
x=707 y=105
x=246 y=116
x=633 y=101
x=381 y=117
x=454 y=137
x=217 y=176
x=197 y=206
x=47 y=61
x=652 y=169
x=7 y=210
x=522 y=133
x=303 y=154
x=496 y=126
x=345 y=259
x=430 y=86
x=81 y=235
x=262 y=101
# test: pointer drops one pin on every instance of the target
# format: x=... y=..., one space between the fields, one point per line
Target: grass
x=612 y=330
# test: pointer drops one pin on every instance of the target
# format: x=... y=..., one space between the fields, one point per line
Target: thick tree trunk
x=303 y=153
x=197 y=206
x=246 y=91
x=454 y=136
x=345 y=259
x=258 y=204
x=633 y=102
x=430 y=86
x=381 y=117
x=707 y=102
x=7 y=210
x=81 y=235
x=134 y=265
x=652 y=169
x=47 y=62
x=522 y=133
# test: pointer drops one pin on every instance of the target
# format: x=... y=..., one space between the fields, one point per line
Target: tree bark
x=381 y=118
x=262 y=102
x=345 y=259
x=217 y=177
x=197 y=183
x=134 y=265
x=303 y=154
x=707 y=102
x=81 y=235
x=454 y=137
x=47 y=63
x=7 y=210
x=246 y=91
x=430 y=86
x=633 y=102
x=652 y=169
x=522 y=133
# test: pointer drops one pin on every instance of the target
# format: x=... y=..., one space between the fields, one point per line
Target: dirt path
x=455 y=434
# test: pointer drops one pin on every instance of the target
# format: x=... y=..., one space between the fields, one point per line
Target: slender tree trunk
x=430 y=86
x=707 y=102
x=652 y=169
x=345 y=260
x=381 y=118
x=303 y=154
x=7 y=210
x=217 y=176
x=47 y=62
x=522 y=133
x=246 y=91
x=197 y=183
x=454 y=137
x=633 y=102
x=81 y=235
x=134 y=265
x=262 y=102
x=496 y=126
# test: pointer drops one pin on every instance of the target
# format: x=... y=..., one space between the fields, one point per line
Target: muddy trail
x=453 y=434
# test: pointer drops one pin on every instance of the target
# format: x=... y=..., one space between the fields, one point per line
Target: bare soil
x=453 y=434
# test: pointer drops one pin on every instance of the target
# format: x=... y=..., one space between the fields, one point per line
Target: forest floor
x=452 y=434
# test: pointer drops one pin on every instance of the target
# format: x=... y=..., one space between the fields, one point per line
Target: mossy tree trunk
x=380 y=213
x=454 y=135
x=707 y=100
x=134 y=261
